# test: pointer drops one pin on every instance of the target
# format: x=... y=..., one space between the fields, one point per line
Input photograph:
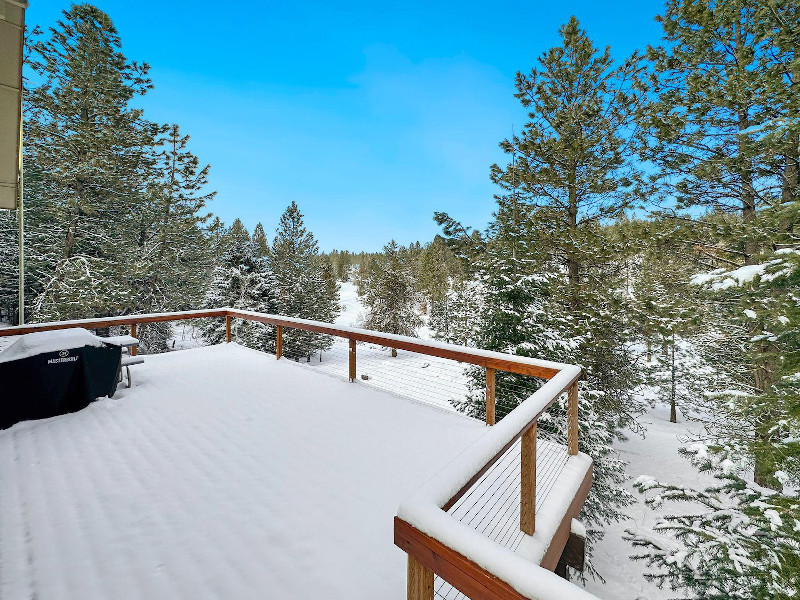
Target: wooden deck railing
x=435 y=542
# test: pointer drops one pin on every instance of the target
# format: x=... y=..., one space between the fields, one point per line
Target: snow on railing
x=478 y=524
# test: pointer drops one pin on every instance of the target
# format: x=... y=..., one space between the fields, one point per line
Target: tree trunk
x=789 y=189
x=764 y=462
x=573 y=264
x=748 y=199
x=673 y=413
x=746 y=193
x=791 y=169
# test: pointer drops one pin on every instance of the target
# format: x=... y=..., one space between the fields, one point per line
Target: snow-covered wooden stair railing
x=428 y=526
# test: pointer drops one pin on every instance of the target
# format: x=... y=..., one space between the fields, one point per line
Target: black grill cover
x=56 y=383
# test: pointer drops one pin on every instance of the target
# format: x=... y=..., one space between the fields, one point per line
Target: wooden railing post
x=572 y=419
x=279 y=342
x=490 y=403
x=352 y=360
x=228 y=329
x=420 y=580
x=134 y=350
x=527 y=514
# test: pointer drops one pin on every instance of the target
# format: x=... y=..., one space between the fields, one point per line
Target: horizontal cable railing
x=487 y=503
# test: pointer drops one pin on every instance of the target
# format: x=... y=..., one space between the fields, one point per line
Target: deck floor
x=221 y=474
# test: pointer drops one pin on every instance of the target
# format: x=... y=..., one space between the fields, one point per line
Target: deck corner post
x=527 y=513
x=572 y=419
x=420 y=580
x=490 y=399
x=227 y=328
x=278 y=342
x=134 y=349
x=352 y=360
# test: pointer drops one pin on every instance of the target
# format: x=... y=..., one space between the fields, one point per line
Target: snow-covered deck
x=222 y=473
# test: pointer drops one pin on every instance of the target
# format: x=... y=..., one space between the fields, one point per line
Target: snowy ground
x=222 y=473
x=428 y=379
x=353 y=312
x=654 y=454
x=185 y=335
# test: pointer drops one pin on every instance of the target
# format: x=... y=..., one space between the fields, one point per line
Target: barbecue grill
x=51 y=373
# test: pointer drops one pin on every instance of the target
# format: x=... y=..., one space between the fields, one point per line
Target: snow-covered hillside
x=352 y=310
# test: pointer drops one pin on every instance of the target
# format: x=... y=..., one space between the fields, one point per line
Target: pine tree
x=364 y=270
x=342 y=263
x=390 y=296
x=242 y=280
x=436 y=271
x=301 y=285
x=738 y=539
x=735 y=540
x=551 y=267
x=464 y=306
x=666 y=312
x=778 y=24
x=733 y=146
x=88 y=160
x=570 y=170
x=573 y=158
x=173 y=257
x=709 y=153
x=260 y=240
x=216 y=237
x=9 y=260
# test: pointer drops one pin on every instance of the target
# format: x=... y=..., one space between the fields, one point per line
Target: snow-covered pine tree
x=390 y=296
x=735 y=539
x=173 y=258
x=581 y=108
x=89 y=156
x=331 y=281
x=216 y=237
x=464 y=307
x=9 y=282
x=362 y=272
x=521 y=313
x=552 y=273
x=342 y=261
x=734 y=147
x=738 y=539
x=302 y=290
x=242 y=280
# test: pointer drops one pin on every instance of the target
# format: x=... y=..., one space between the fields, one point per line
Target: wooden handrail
x=462 y=573
x=424 y=528
x=494 y=360
x=100 y=322
x=573 y=384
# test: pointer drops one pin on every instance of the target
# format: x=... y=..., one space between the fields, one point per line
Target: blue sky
x=370 y=117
